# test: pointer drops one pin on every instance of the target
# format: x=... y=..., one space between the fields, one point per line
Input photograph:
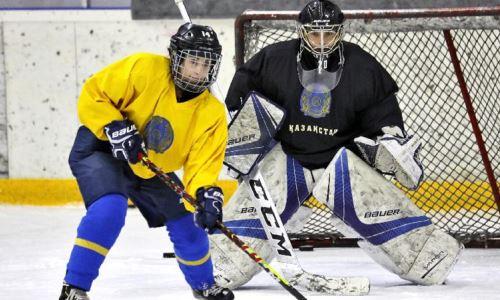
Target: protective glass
x=320 y=80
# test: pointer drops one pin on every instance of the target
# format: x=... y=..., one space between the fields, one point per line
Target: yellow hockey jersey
x=190 y=135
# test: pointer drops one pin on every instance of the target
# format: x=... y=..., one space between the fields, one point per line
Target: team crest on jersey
x=315 y=104
x=159 y=134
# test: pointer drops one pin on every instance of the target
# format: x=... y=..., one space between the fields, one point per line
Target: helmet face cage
x=329 y=37
x=195 y=70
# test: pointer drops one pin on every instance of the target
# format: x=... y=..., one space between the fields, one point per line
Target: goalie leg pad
x=232 y=267
x=381 y=214
x=426 y=264
x=288 y=184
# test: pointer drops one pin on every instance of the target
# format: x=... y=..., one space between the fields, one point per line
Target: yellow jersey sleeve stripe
x=194 y=262
x=91 y=246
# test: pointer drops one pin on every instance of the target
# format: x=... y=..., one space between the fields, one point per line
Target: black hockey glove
x=125 y=140
x=211 y=200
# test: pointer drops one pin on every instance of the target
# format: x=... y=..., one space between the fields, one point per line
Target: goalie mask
x=321 y=30
x=195 y=52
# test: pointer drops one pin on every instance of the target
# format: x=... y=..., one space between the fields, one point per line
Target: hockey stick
x=182 y=9
x=179 y=190
x=287 y=260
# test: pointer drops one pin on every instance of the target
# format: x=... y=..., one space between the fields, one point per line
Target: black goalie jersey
x=318 y=124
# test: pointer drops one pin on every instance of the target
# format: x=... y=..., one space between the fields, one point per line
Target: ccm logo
x=382 y=213
x=269 y=216
x=241 y=139
x=123 y=131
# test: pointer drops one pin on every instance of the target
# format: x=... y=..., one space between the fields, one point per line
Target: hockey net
x=428 y=53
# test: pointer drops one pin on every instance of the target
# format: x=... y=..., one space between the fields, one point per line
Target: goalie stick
x=242 y=245
x=286 y=258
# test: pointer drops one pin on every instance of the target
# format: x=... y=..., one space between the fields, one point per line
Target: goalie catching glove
x=211 y=200
x=394 y=154
x=125 y=140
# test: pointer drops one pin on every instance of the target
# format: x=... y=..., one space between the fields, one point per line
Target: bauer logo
x=434 y=262
x=245 y=138
x=382 y=213
x=123 y=131
x=248 y=210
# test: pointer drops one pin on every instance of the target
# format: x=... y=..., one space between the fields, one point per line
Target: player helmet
x=196 y=46
x=321 y=28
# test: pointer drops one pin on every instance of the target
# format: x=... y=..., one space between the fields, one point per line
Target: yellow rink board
x=54 y=192
x=436 y=196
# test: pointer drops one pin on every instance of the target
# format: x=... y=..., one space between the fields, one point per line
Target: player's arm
x=245 y=80
x=385 y=145
x=103 y=98
x=382 y=108
x=105 y=94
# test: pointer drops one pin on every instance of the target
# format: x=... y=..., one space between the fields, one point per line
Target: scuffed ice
x=35 y=244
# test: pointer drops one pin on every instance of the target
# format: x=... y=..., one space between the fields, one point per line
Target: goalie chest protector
x=317 y=125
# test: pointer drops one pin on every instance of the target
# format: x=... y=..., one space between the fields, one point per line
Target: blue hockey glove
x=125 y=140
x=211 y=200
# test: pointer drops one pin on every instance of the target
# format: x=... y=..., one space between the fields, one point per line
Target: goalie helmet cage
x=447 y=65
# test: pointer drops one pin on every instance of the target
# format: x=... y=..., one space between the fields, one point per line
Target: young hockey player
x=339 y=103
x=151 y=105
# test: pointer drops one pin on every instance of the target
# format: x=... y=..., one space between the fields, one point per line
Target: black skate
x=72 y=293
x=214 y=293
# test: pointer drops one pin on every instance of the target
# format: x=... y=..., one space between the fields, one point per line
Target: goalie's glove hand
x=394 y=155
x=125 y=140
x=211 y=200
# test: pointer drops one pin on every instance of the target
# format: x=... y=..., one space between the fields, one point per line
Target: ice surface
x=35 y=243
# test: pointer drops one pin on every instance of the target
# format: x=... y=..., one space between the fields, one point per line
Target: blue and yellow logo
x=159 y=134
x=315 y=104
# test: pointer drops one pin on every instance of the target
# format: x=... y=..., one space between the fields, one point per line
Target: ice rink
x=35 y=243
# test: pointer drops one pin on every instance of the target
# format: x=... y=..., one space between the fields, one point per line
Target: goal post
x=446 y=63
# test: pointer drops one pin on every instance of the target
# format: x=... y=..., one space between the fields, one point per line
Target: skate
x=214 y=293
x=72 y=293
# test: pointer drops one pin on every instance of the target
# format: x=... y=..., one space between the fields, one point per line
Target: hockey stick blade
x=337 y=286
x=285 y=256
x=179 y=190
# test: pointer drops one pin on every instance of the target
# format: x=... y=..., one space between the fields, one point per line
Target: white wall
x=48 y=55
x=3 y=112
